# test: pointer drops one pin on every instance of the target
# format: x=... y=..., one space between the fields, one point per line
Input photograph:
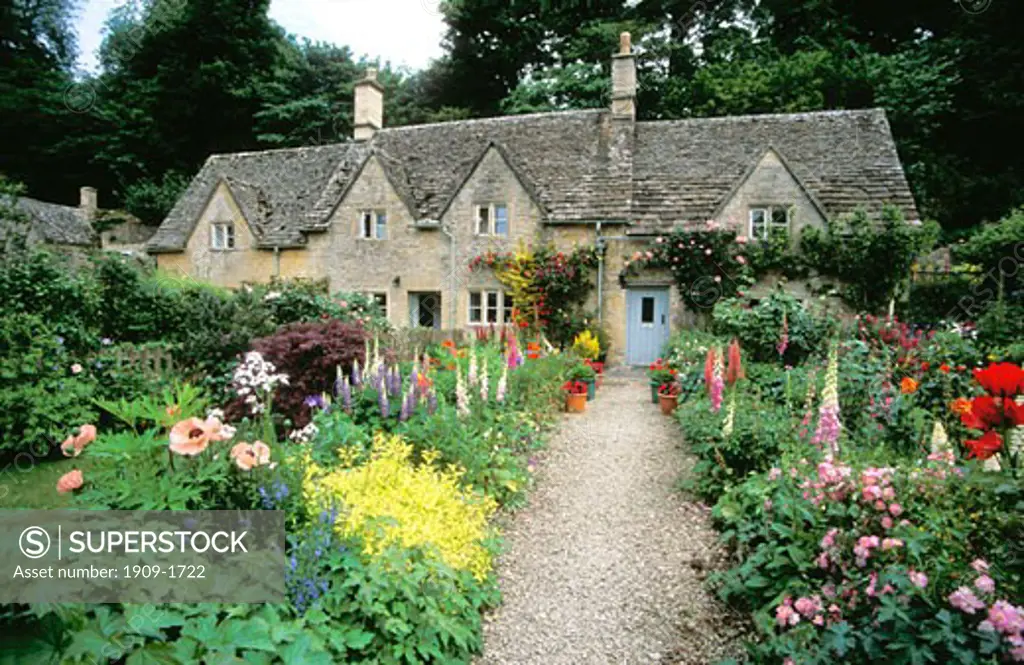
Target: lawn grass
x=36 y=486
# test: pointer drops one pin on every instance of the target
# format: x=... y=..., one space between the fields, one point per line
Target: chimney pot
x=625 y=44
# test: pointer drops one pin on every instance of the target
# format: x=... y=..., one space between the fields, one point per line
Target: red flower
x=944 y=368
x=985 y=413
x=1001 y=379
x=925 y=366
x=735 y=369
x=1014 y=412
x=575 y=387
x=986 y=446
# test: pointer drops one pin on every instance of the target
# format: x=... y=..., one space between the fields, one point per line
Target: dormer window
x=373 y=224
x=222 y=235
x=492 y=219
x=768 y=222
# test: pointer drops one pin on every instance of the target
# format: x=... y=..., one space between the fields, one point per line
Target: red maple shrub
x=309 y=353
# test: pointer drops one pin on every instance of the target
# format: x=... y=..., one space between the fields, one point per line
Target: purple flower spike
x=382 y=401
x=357 y=375
x=431 y=402
x=346 y=396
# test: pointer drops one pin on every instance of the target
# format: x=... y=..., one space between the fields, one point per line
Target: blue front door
x=647 y=324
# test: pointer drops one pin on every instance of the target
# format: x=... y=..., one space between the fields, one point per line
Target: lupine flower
x=964 y=600
x=485 y=387
x=346 y=394
x=784 y=337
x=512 y=361
x=315 y=402
x=461 y=397
x=357 y=377
x=717 y=383
x=735 y=369
x=730 y=417
x=502 y=385
x=471 y=376
x=382 y=401
x=406 y=409
x=431 y=402
x=827 y=434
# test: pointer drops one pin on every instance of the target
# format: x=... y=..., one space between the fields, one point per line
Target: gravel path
x=606 y=564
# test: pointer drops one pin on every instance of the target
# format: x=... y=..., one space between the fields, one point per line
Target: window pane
x=215 y=236
x=364 y=225
x=647 y=310
x=229 y=230
x=780 y=219
x=474 y=307
x=483 y=225
x=500 y=220
x=382 y=226
x=506 y=316
x=757 y=222
x=492 y=299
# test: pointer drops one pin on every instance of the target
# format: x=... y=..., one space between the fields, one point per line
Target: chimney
x=87 y=205
x=624 y=80
x=369 y=106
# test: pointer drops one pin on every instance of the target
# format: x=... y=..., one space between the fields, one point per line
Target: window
x=222 y=235
x=768 y=221
x=425 y=310
x=490 y=307
x=373 y=224
x=492 y=219
x=647 y=310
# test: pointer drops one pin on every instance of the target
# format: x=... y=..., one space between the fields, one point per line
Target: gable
x=770 y=182
x=370 y=188
x=493 y=178
x=222 y=206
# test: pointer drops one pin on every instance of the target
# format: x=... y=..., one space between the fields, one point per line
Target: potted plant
x=585 y=374
x=659 y=374
x=668 y=397
x=598 y=368
x=575 y=396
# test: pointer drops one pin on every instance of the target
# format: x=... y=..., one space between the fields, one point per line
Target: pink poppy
x=190 y=437
x=74 y=444
x=70 y=481
x=248 y=457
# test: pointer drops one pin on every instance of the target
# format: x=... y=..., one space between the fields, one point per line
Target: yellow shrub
x=389 y=500
x=586 y=345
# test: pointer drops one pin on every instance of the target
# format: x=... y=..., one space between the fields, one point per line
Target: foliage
x=761 y=327
x=706 y=265
x=389 y=500
x=309 y=355
x=586 y=346
x=42 y=396
x=548 y=287
x=870 y=259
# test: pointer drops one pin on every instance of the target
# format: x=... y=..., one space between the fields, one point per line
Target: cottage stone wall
x=771 y=184
x=230 y=267
x=493 y=181
x=410 y=259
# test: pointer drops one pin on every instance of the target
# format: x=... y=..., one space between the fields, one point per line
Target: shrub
x=388 y=500
x=42 y=396
x=136 y=308
x=760 y=328
x=309 y=354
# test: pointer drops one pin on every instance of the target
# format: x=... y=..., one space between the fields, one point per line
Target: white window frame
x=490 y=227
x=222 y=236
x=770 y=226
x=501 y=308
x=373 y=225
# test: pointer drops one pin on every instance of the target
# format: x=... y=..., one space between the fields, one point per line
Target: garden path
x=606 y=564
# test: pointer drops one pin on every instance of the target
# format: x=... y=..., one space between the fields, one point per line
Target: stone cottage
x=399 y=212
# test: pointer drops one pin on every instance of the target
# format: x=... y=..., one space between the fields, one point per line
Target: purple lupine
x=357 y=376
x=382 y=401
x=315 y=402
x=403 y=415
x=414 y=381
x=396 y=382
x=346 y=395
x=431 y=402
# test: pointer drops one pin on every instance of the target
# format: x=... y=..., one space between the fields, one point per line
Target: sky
x=405 y=32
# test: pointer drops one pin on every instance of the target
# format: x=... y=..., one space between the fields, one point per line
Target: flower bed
x=872 y=497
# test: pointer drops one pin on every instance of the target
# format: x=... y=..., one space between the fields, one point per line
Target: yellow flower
x=391 y=501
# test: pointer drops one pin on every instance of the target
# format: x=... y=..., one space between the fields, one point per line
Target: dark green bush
x=759 y=327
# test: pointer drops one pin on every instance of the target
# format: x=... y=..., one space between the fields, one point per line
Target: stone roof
x=685 y=170
x=579 y=166
x=53 y=223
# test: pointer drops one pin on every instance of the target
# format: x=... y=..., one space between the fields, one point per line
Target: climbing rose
x=964 y=600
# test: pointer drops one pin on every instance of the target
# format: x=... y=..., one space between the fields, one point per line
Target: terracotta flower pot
x=668 y=403
x=576 y=403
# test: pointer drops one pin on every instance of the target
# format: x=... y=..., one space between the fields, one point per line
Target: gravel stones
x=606 y=563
